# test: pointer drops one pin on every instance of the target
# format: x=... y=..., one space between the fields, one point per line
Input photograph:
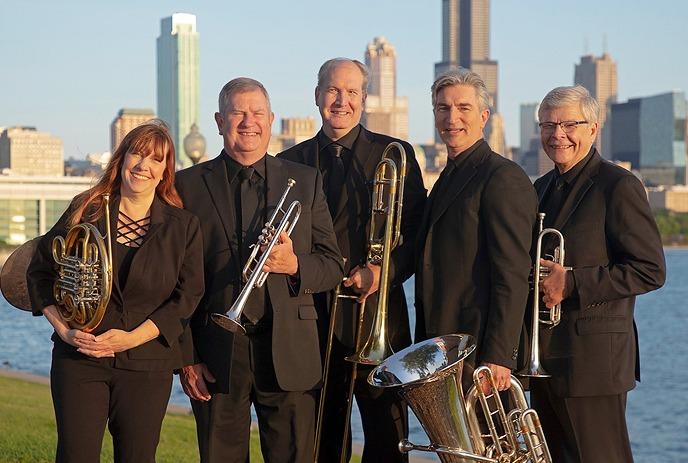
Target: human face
x=341 y=100
x=141 y=173
x=458 y=117
x=567 y=149
x=246 y=125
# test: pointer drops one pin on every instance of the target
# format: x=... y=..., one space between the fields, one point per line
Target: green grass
x=27 y=429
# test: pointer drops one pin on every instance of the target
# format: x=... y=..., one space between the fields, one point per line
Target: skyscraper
x=384 y=112
x=178 y=77
x=466 y=41
x=26 y=151
x=598 y=75
x=126 y=120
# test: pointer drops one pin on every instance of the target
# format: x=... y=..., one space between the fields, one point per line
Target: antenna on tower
x=604 y=43
x=585 y=46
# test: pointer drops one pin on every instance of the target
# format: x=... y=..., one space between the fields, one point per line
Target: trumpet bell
x=428 y=376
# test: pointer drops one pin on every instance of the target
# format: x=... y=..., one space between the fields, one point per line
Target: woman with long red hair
x=120 y=373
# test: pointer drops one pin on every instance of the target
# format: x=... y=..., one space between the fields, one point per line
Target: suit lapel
x=543 y=187
x=114 y=212
x=217 y=183
x=277 y=177
x=581 y=186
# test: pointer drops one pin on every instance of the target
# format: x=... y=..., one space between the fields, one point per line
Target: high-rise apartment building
x=466 y=41
x=26 y=151
x=294 y=131
x=598 y=75
x=384 y=112
x=178 y=78
x=126 y=120
x=650 y=134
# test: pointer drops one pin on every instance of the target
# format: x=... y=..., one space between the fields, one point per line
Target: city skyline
x=68 y=76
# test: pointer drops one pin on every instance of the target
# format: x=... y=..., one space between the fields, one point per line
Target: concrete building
x=29 y=206
x=598 y=75
x=178 y=78
x=293 y=131
x=384 y=112
x=674 y=198
x=650 y=134
x=127 y=119
x=26 y=151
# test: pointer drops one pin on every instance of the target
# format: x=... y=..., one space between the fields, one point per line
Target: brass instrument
x=428 y=377
x=387 y=202
x=253 y=273
x=84 y=284
x=533 y=367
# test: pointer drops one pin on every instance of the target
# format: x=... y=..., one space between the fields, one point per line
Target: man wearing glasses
x=615 y=253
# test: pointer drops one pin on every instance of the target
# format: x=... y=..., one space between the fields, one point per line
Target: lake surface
x=657 y=408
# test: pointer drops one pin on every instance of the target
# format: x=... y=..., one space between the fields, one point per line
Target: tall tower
x=598 y=75
x=385 y=112
x=466 y=41
x=178 y=76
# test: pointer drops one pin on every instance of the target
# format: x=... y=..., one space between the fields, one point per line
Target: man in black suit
x=276 y=365
x=615 y=251
x=347 y=154
x=473 y=262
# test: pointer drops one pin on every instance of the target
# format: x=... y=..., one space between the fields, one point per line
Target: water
x=657 y=408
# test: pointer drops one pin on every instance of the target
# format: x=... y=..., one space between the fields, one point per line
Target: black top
x=122 y=256
x=326 y=159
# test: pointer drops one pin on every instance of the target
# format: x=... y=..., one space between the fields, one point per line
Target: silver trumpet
x=552 y=317
x=253 y=273
x=428 y=377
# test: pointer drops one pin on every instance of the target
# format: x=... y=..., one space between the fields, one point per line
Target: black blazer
x=295 y=345
x=164 y=285
x=474 y=257
x=352 y=225
x=612 y=243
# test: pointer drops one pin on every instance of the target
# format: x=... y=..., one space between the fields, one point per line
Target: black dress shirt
x=334 y=175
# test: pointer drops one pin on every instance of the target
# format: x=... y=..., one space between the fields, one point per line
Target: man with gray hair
x=276 y=364
x=474 y=246
x=614 y=253
x=347 y=154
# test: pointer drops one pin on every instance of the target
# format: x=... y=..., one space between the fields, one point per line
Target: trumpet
x=253 y=273
x=84 y=284
x=428 y=374
x=552 y=316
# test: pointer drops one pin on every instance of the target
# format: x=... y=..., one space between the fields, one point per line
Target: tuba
x=84 y=266
x=552 y=317
x=253 y=273
x=428 y=375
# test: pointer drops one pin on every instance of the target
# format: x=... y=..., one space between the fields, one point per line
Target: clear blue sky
x=67 y=67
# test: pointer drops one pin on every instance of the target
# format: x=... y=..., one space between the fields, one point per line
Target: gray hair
x=462 y=76
x=567 y=96
x=239 y=85
x=330 y=64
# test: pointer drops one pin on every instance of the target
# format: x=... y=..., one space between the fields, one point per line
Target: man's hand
x=553 y=286
x=282 y=258
x=364 y=280
x=194 y=379
x=501 y=376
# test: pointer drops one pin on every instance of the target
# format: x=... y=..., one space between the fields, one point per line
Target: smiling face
x=142 y=171
x=567 y=149
x=341 y=99
x=245 y=126
x=458 y=117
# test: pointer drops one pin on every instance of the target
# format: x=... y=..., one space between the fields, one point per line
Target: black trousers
x=384 y=415
x=88 y=395
x=286 y=420
x=582 y=429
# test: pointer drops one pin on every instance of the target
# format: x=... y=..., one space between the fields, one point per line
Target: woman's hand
x=106 y=344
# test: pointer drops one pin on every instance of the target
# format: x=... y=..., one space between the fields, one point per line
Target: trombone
x=552 y=316
x=253 y=273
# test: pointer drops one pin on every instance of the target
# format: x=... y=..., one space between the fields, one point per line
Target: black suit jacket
x=474 y=257
x=295 y=345
x=612 y=243
x=164 y=285
x=352 y=221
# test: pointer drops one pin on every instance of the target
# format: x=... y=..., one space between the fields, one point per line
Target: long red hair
x=149 y=139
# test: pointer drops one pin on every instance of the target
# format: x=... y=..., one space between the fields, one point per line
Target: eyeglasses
x=566 y=126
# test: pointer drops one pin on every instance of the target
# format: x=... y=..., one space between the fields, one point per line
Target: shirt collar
x=233 y=167
x=462 y=156
x=347 y=141
x=570 y=175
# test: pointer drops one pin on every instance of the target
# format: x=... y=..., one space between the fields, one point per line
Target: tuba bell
x=428 y=376
x=84 y=265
